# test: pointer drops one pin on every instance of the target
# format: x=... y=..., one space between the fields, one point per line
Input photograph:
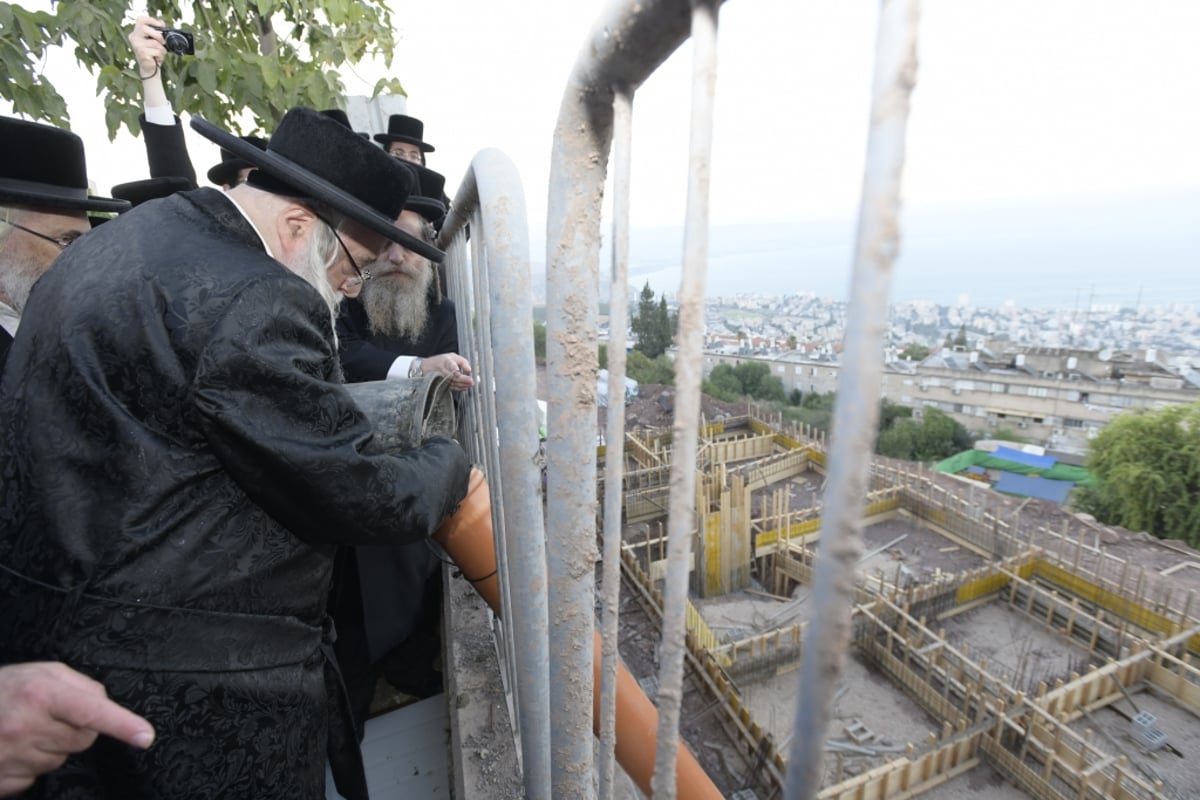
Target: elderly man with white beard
x=44 y=202
x=179 y=461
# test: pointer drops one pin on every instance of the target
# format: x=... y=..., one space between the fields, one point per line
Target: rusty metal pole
x=857 y=410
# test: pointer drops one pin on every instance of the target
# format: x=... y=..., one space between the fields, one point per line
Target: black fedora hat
x=403 y=128
x=225 y=173
x=312 y=156
x=43 y=167
x=138 y=192
x=426 y=199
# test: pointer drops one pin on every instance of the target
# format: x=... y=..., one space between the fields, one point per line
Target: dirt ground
x=924 y=552
x=1179 y=774
x=1020 y=651
x=981 y=783
x=864 y=696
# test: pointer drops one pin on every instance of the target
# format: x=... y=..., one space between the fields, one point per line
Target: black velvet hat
x=403 y=128
x=138 y=192
x=340 y=116
x=426 y=199
x=43 y=167
x=226 y=172
x=312 y=156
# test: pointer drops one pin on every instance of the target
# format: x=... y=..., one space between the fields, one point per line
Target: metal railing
x=547 y=567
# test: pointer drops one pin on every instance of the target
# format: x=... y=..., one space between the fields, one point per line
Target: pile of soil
x=654 y=407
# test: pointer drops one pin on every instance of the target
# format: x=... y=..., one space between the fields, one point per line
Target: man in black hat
x=403 y=139
x=401 y=325
x=180 y=459
x=387 y=600
x=44 y=202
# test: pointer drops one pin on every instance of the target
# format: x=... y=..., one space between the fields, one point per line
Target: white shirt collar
x=9 y=319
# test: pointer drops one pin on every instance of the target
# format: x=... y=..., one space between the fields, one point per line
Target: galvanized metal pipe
x=492 y=189
x=856 y=411
x=681 y=521
x=629 y=41
x=614 y=458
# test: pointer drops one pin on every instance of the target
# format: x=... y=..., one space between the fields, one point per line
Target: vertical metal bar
x=857 y=409
x=614 y=460
x=510 y=297
x=685 y=429
x=578 y=161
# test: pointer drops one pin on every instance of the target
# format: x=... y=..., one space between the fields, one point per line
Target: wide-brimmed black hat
x=426 y=199
x=312 y=156
x=403 y=128
x=138 y=192
x=231 y=164
x=43 y=167
x=338 y=115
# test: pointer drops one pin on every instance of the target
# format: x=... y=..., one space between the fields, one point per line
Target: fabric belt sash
x=88 y=630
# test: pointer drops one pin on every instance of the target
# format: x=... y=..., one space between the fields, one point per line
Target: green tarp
x=972 y=458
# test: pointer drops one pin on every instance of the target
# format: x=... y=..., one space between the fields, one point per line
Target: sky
x=1050 y=141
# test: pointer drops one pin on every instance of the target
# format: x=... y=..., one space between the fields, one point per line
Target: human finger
x=91 y=710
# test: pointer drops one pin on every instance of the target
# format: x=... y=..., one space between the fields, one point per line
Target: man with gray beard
x=43 y=208
x=179 y=461
x=401 y=325
x=386 y=601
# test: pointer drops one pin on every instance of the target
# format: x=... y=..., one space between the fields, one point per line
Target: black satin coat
x=178 y=461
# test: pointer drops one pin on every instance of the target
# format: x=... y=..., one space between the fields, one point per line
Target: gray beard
x=397 y=307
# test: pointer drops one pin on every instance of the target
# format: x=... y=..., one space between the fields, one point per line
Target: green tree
x=603 y=359
x=916 y=352
x=259 y=57
x=935 y=437
x=644 y=369
x=651 y=324
x=1146 y=468
x=795 y=397
x=539 y=342
x=791 y=342
x=961 y=339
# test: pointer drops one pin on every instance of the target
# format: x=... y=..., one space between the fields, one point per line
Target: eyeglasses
x=364 y=275
x=61 y=242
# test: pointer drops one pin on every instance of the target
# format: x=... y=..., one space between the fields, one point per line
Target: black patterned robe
x=178 y=461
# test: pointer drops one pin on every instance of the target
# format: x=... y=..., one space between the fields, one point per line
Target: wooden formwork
x=1054 y=578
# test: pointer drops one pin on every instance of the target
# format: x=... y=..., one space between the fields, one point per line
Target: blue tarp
x=1029 y=460
x=1031 y=486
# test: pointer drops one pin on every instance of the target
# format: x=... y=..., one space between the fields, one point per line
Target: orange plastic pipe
x=468 y=538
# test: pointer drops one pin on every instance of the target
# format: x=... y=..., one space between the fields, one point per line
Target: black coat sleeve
x=166 y=150
x=292 y=438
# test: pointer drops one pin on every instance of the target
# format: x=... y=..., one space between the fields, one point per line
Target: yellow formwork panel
x=714 y=557
x=972 y=590
x=790 y=532
x=702 y=635
x=883 y=506
x=1112 y=602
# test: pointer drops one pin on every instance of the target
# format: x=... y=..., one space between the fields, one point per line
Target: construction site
x=1001 y=648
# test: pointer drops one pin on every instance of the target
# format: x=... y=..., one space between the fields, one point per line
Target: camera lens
x=175 y=42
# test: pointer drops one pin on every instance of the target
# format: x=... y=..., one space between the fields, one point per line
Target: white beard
x=312 y=264
x=397 y=305
x=16 y=281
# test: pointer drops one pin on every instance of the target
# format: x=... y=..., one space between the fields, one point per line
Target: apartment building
x=1057 y=397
